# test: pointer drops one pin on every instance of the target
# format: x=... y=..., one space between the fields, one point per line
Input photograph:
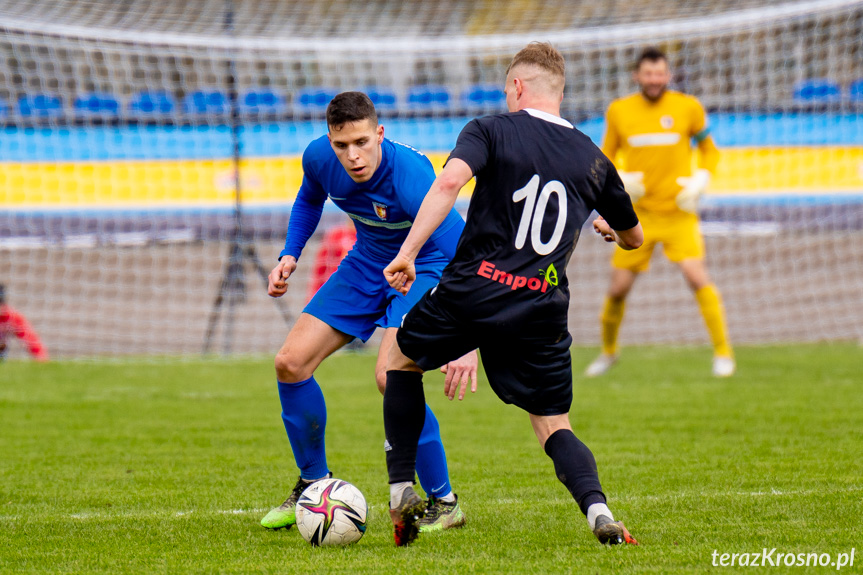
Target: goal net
x=151 y=151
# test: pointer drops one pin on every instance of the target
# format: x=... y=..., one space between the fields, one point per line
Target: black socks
x=575 y=466
x=404 y=417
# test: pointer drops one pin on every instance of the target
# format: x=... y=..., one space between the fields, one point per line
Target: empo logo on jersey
x=380 y=210
x=549 y=277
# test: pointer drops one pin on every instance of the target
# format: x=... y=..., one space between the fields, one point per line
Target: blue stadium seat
x=484 y=98
x=97 y=105
x=149 y=104
x=428 y=98
x=383 y=98
x=817 y=91
x=855 y=91
x=40 y=106
x=314 y=99
x=206 y=102
x=262 y=101
x=4 y=108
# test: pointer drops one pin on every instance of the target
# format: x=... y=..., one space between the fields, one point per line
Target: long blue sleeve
x=305 y=215
x=447 y=242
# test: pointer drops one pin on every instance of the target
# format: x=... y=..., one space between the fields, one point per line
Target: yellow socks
x=710 y=303
x=611 y=318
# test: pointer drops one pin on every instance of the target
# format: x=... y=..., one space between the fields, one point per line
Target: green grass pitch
x=168 y=467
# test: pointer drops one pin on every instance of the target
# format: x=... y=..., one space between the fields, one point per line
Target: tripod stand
x=233 y=290
x=233 y=285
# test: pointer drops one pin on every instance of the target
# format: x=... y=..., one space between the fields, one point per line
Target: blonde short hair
x=541 y=55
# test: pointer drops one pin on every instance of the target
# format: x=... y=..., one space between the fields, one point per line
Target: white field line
x=162 y=513
x=719 y=494
x=100 y=516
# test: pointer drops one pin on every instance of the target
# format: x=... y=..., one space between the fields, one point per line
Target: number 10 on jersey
x=534 y=213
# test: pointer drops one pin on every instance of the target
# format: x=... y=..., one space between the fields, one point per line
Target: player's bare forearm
x=627 y=239
x=439 y=200
x=630 y=239
x=436 y=205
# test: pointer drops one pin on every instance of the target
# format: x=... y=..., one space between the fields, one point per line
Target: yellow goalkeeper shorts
x=678 y=232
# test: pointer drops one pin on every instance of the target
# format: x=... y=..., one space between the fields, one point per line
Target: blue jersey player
x=380 y=184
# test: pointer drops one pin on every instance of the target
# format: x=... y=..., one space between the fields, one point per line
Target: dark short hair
x=651 y=54
x=350 y=107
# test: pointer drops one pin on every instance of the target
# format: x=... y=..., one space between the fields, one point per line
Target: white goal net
x=126 y=229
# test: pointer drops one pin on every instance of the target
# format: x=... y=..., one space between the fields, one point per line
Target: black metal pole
x=235 y=265
x=233 y=98
x=232 y=289
x=232 y=286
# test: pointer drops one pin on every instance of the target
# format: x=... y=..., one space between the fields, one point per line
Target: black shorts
x=529 y=368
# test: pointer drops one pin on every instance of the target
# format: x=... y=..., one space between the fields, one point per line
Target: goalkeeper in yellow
x=650 y=136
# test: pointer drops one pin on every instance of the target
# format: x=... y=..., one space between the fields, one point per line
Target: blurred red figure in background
x=13 y=323
x=337 y=243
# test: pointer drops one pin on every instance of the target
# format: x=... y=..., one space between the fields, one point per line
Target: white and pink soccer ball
x=331 y=512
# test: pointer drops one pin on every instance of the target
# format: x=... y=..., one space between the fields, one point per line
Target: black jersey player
x=506 y=290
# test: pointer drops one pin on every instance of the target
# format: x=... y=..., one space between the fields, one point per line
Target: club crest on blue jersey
x=380 y=210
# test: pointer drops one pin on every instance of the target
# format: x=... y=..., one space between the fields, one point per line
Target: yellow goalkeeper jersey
x=656 y=138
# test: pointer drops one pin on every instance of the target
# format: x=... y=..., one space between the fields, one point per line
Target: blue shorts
x=357 y=299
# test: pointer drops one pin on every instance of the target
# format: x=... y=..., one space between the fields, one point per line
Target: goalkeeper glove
x=693 y=187
x=633 y=183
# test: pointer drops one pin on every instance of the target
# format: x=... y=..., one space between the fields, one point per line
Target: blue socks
x=305 y=416
x=431 y=459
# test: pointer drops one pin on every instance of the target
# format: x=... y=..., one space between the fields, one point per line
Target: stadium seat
x=40 y=106
x=206 y=102
x=817 y=91
x=428 y=98
x=382 y=97
x=313 y=99
x=97 y=105
x=4 y=109
x=149 y=104
x=855 y=91
x=262 y=101
x=483 y=98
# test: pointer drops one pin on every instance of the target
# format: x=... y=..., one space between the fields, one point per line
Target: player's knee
x=617 y=296
x=700 y=280
x=697 y=280
x=618 y=291
x=290 y=368
x=381 y=379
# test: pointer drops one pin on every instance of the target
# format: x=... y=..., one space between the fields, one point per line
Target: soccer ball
x=331 y=512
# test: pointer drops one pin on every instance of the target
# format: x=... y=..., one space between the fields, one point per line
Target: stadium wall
x=131 y=167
